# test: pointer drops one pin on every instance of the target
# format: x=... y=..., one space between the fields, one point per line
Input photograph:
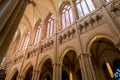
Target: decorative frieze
x=46 y=45
x=91 y=22
x=115 y=5
x=67 y=35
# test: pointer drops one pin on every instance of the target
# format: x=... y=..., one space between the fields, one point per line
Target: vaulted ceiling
x=38 y=10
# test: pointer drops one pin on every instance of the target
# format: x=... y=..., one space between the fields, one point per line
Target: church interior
x=59 y=39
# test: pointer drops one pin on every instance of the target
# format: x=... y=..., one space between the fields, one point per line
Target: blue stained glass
x=117 y=74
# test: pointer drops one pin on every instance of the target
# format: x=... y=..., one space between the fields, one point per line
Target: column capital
x=57 y=64
x=36 y=70
x=60 y=64
x=84 y=54
x=21 y=76
x=54 y=63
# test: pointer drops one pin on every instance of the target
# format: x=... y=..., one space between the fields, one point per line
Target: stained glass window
x=50 y=25
x=67 y=16
x=84 y=7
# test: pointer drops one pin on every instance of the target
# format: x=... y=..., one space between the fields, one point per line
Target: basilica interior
x=60 y=39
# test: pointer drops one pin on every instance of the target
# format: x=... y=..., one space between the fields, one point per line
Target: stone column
x=20 y=77
x=86 y=67
x=60 y=71
x=8 y=8
x=82 y=67
x=37 y=75
x=10 y=22
x=33 y=74
x=89 y=66
x=55 y=71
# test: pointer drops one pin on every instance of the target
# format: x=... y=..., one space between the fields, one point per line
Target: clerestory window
x=50 y=25
x=38 y=34
x=84 y=7
x=25 y=45
x=66 y=16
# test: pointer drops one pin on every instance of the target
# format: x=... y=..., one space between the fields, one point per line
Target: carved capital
x=73 y=31
x=115 y=6
x=85 y=54
x=91 y=20
x=68 y=33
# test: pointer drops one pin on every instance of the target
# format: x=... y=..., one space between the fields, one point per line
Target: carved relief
x=89 y=22
x=115 y=5
x=67 y=35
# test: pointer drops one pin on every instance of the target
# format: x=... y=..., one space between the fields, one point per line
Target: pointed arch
x=64 y=53
x=96 y=36
x=103 y=50
x=62 y=5
x=66 y=15
x=25 y=69
x=12 y=73
x=43 y=60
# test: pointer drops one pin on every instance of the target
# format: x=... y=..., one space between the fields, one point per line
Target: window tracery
x=50 y=26
x=84 y=7
x=25 y=45
x=67 y=16
x=38 y=34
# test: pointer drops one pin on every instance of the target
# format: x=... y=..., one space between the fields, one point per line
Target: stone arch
x=45 y=68
x=70 y=64
x=94 y=37
x=62 y=5
x=26 y=68
x=43 y=60
x=13 y=75
x=64 y=53
x=103 y=51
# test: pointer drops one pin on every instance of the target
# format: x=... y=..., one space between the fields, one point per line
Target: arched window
x=38 y=34
x=50 y=25
x=26 y=41
x=67 y=16
x=84 y=7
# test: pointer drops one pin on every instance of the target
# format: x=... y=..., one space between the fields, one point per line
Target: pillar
x=60 y=71
x=86 y=67
x=89 y=66
x=36 y=75
x=9 y=7
x=33 y=74
x=55 y=71
x=82 y=67
x=9 y=22
x=20 y=77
